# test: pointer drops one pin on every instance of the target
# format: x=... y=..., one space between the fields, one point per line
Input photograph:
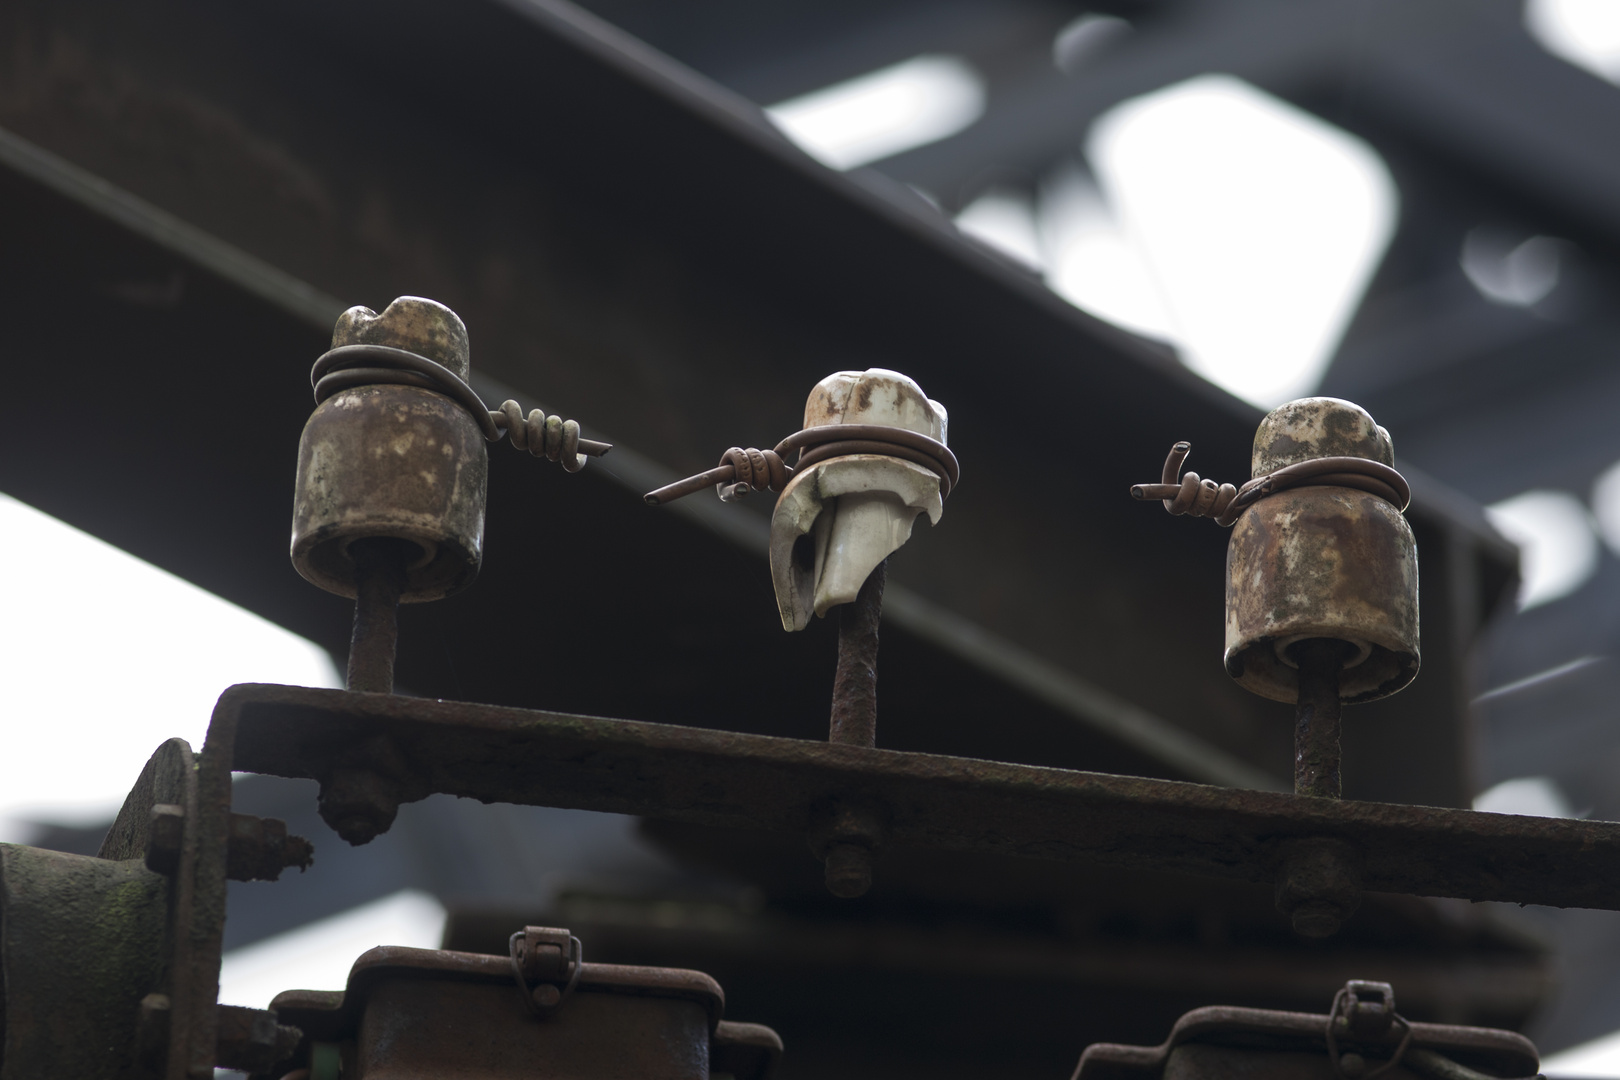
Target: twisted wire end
x=1190 y=494
x=550 y=437
x=741 y=471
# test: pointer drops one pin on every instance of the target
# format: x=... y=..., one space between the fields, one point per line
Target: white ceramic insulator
x=837 y=519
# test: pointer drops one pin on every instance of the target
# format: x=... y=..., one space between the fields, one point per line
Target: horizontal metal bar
x=753 y=781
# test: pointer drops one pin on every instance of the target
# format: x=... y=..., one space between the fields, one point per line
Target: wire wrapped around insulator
x=1205 y=498
x=550 y=437
x=814 y=445
x=349 y=366
x=754 y=470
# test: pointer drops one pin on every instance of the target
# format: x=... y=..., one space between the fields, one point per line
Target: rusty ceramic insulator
x=1321 y=602
x=1323 y=560
x=396 y=462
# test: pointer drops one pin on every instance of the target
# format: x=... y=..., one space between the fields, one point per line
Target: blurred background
x=1111 y=225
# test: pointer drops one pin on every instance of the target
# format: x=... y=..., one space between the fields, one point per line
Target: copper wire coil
x=761 y=469
x=929 y=453
x=1191 y=495
x=383 y=365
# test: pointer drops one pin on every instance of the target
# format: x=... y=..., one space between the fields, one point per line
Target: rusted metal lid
x=324 y=1014
x=1262 y=1031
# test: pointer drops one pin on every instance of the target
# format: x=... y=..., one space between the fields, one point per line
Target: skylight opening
x=1260 y=224
x=1585 y=33
x=318 y=955
x=1558 y=551
x=885 y=112
x=104 y=657
x=1005 y=220
x=1091 y=262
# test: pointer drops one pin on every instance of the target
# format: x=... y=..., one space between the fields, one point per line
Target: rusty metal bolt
x=152 y=1031
x=846 y=838
x=164 y=838
x=261 y=848
x=358 y=803
x=1323 y=561
x=361 y=794
x=1319 y=886
x=394 y=461
x=251 y=1040
x=849 y=869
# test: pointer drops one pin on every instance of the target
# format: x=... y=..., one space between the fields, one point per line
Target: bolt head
x=1316 y=919
x=849 y=870
x=1352 y=1065
x=358 y=804
x=546 y=996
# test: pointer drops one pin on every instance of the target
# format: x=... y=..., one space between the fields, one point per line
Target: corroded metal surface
x=164 y=781
x=854 y=696
x=1318 y=427
x=1318 y=885
x=412 y=323
x=196 y=907
x=380 y=564
x=394 y=461
x=419 y=1013
x=81 y=943
x=1320 y=664
x=260 y=848
x=758 y=782
x=1323 y=561
x=851 y=837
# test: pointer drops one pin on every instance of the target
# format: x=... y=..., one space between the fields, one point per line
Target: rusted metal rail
x=755 y=781
x=391 y=749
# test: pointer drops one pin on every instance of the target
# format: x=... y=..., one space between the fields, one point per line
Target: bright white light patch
x=318 y=956
x=1557 y=549
x=878 y=115
x=1598 y=1058
x=1520 y=273
x=1527 y=796
x=1261 y=224
x=1585 y=33
x=1085 y=39
x=103 y=657
x=1606 y=506
x=1089 y=260
x=1006 y=221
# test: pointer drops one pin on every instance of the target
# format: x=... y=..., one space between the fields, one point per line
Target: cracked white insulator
x=837 y=519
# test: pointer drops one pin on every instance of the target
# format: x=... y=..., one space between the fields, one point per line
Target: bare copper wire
x=371 y=365
x=1192 y=495
x=742 y=470
x=550 y=437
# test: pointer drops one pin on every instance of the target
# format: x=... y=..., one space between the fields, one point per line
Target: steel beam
x=960 y=804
